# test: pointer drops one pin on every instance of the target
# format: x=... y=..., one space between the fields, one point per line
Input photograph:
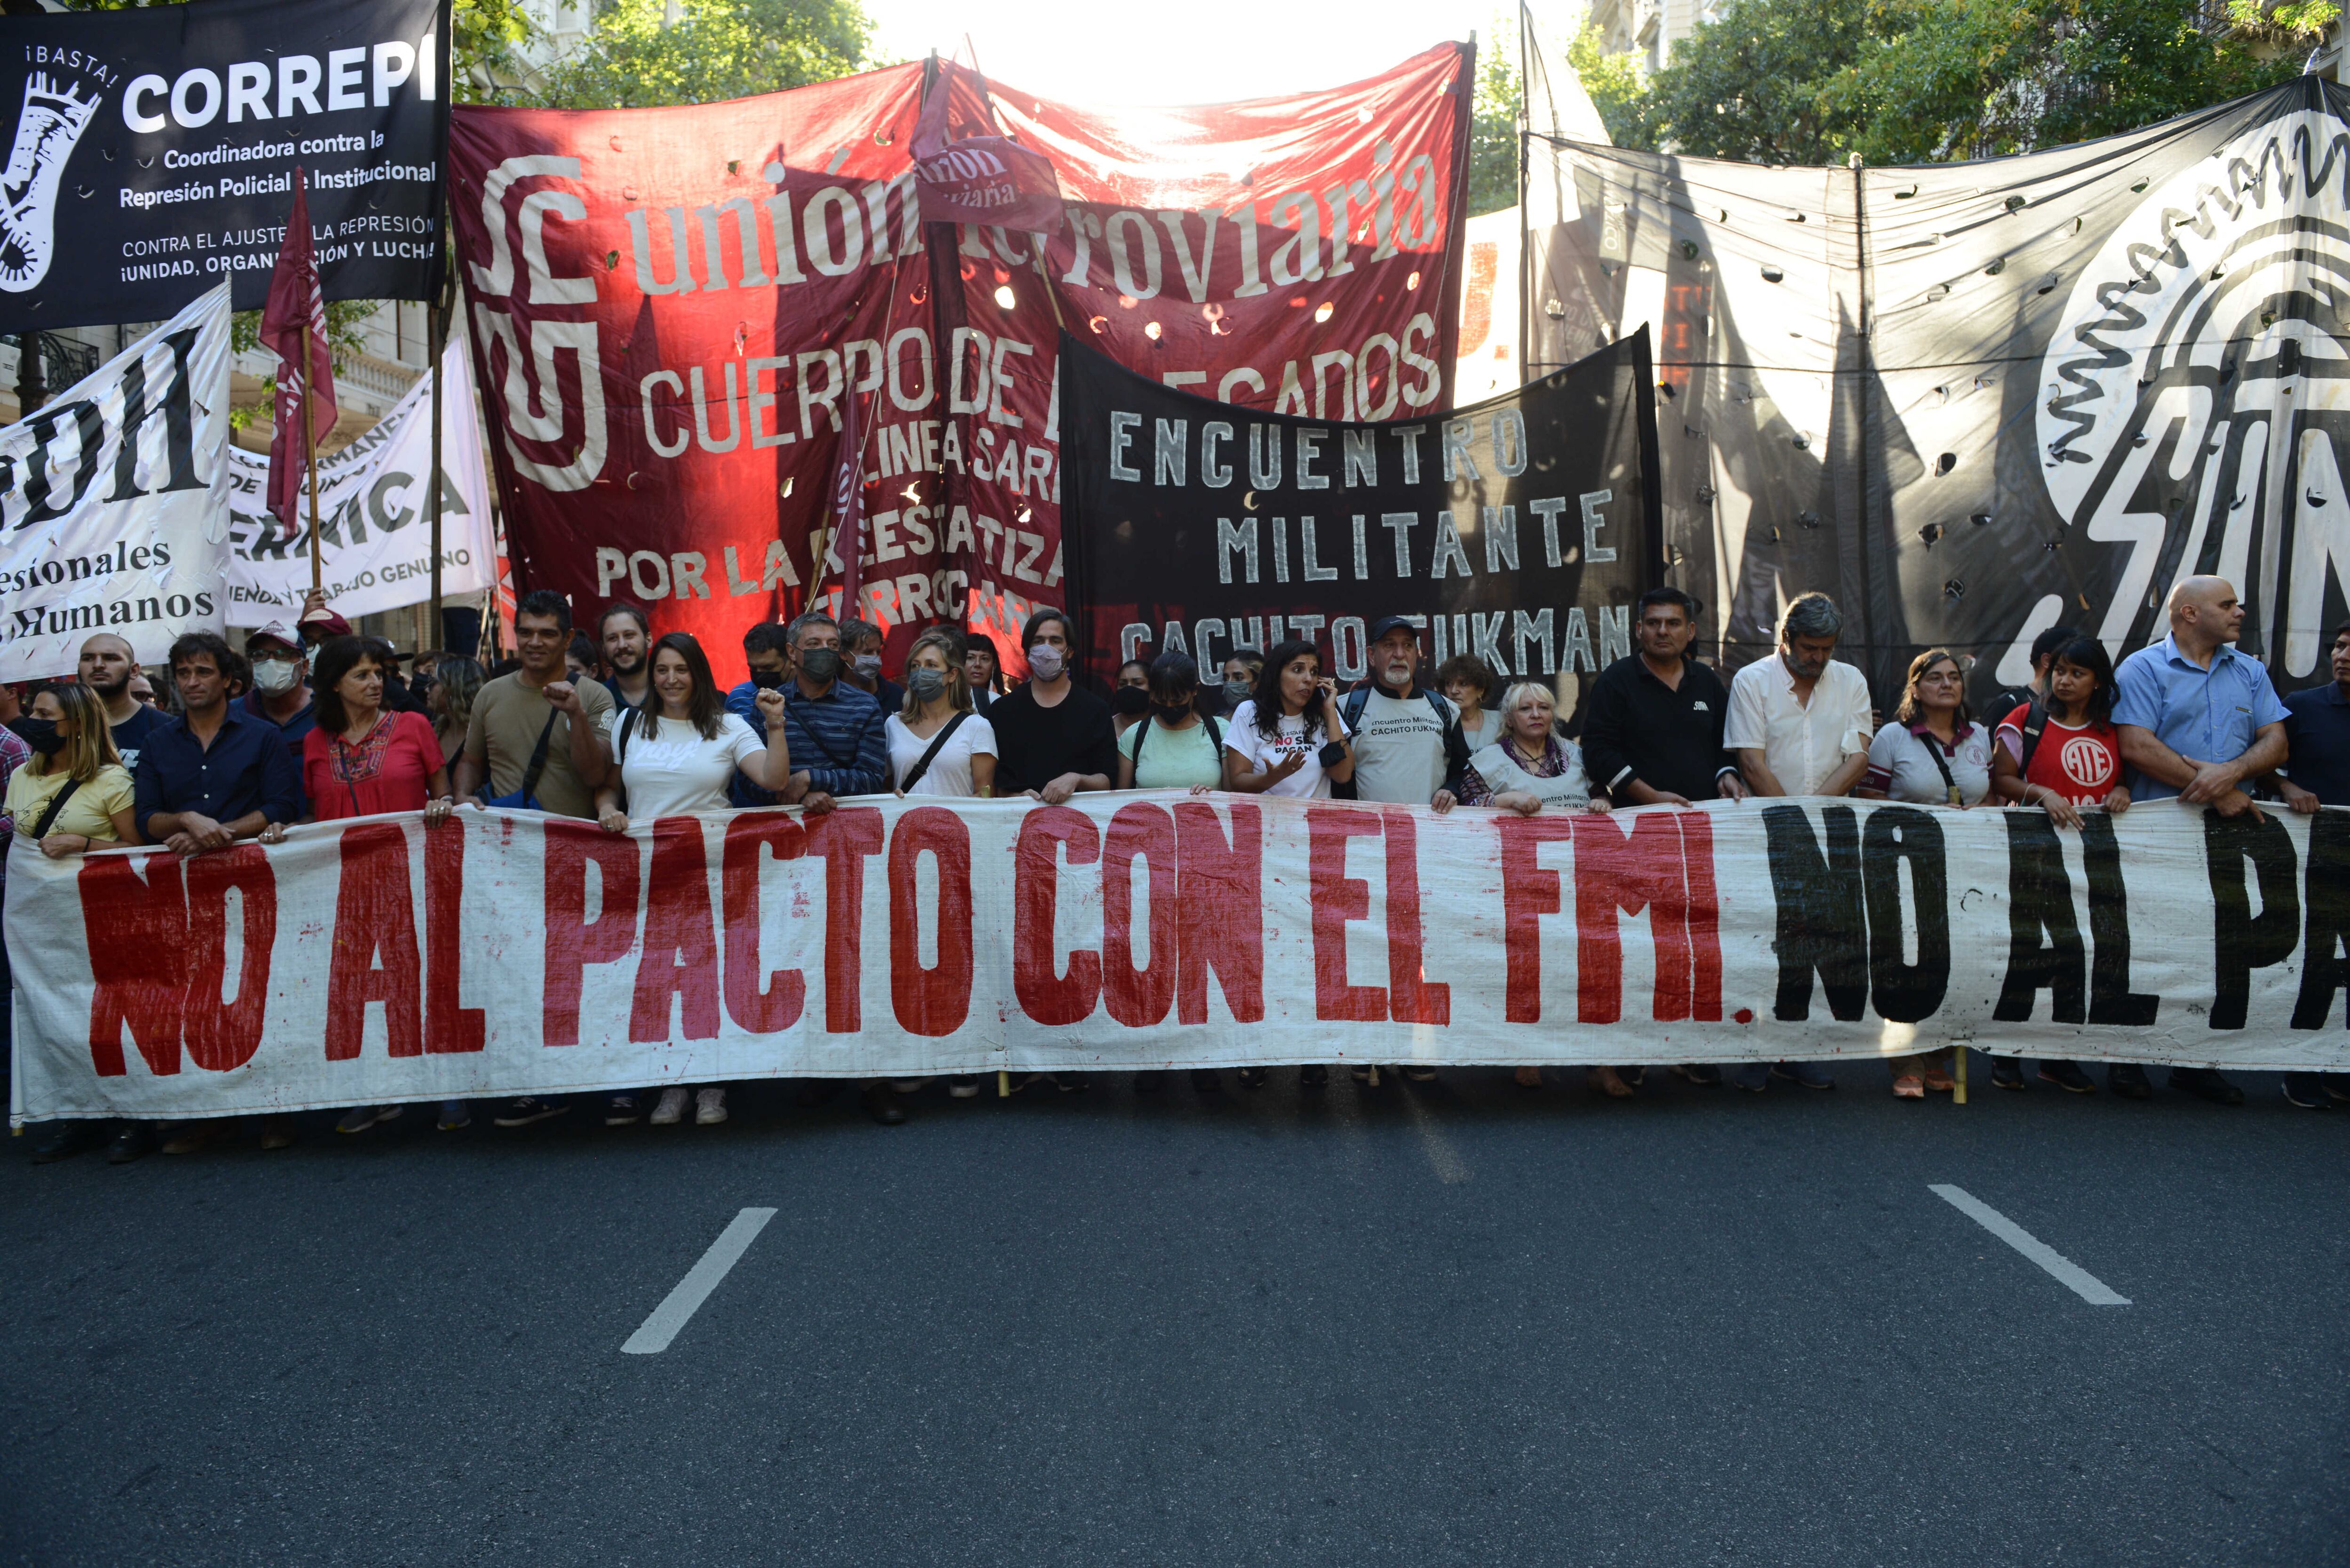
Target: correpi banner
x=114 y=501
x=375 y=538
x=1521 y=530
x=155 y=149
x=380 y=959
x=1975 y=400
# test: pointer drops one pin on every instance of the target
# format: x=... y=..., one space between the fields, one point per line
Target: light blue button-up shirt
x=2209 y=715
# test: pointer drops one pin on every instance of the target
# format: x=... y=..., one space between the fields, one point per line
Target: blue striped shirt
x=838 y=740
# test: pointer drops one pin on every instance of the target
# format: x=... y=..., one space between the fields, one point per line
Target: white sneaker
x=671 y=1106
x=708 y=1107
x=909 y=1086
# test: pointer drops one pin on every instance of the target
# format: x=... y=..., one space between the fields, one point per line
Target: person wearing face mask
x=281 y=695
x=1173 y=746
x=767 y=651
x=67 y=796
x=1239 y=677
x=861 y=651
x=1130 y=696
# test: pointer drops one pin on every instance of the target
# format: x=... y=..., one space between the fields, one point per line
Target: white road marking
x=2076 y=1278
x=1442 y=1157
x=653 y=1335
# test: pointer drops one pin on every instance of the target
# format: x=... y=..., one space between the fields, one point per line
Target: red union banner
x=674 y=310
x=381 y=960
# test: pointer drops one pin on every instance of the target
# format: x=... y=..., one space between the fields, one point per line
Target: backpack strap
x=56 y=806
x=1351 y=708
x=2035 y=719
x=1142 y=732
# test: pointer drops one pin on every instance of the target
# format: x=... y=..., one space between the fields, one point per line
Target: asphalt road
x=1459 y=1324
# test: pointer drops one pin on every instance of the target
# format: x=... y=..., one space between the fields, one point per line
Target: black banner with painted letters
x=154 y=151
x=1522 y=529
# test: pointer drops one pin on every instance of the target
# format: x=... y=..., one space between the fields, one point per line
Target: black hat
x=1387 y=623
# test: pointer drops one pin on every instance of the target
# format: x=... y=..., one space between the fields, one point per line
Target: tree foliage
x=648 y=52
x=1813 y=81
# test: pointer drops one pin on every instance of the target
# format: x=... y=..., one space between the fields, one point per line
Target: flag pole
x=435 y=331
x=310 y=441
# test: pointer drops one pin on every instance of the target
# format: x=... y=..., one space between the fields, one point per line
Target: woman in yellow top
x=73 y=750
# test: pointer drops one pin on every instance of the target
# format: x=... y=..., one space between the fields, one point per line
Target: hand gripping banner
x=155 y=148
x=1521 y=530
x=382 y=961
x=1974 y=401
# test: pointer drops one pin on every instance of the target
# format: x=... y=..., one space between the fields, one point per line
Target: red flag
x=296 y=316
x=848 y=544
x=987 y=178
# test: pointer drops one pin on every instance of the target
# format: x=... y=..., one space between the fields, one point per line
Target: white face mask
x=1044 y=661
x=276 y=676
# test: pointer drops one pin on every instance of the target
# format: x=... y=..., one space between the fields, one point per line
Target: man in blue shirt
x=838 y=745
x=213 y=774
x=767 y=648
x=2197 y=719
x=281 y=695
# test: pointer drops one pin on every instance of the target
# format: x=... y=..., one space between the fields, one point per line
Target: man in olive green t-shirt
x=512 y=712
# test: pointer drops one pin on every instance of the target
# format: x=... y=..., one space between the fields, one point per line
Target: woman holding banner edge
x=1288 y=739
x=675 y=757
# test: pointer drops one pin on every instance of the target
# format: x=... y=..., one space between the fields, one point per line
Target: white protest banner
x=378 y=959
x=375 y=542
x=114 y=500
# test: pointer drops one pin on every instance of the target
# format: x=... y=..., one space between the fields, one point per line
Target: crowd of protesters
x=621 y=725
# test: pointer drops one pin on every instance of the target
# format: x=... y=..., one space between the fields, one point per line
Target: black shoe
x=1252 y=1078
x=620 y=1111
x=1704 y=1074
x=2336 y=1085
x=63 y=1140
x=881 y=1105
x=1151 y=1082
x=520 y=1113
x=815 y=1092
x=132 y=1141
x=2206 y=1083
x=1313 y=1077
x=2306 y=1090
x=1072 y=1083
x=1207 y=1081
x=2128 y=1080
x=2067 y=1077
x=2007 y=1073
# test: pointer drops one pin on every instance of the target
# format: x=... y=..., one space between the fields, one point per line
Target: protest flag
x=294 y=327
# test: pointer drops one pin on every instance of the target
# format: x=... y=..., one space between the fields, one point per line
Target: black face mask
x=1131 y=699
x=768 y=680
x=40 y=734
x=820 y=664
x=1171 y=715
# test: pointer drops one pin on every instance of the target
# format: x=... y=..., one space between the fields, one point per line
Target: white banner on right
x=374 y=538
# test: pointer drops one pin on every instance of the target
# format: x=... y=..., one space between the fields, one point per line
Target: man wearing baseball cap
x=281 y=691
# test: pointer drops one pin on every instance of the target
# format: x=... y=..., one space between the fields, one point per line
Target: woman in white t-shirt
x=936 y=698
x=938 y=702
x=677 y=754
x=1289 y=738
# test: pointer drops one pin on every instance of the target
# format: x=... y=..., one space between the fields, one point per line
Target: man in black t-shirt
x=108 y=664
x=1052 y=738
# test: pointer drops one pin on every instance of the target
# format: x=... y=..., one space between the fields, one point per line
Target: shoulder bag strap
x=1351 y=710
x=56 y=805
x=530 y=775
x=1142 y=733
x=922 y=764
x=1942 y=763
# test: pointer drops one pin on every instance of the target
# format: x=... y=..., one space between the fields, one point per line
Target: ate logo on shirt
x=2086 y=761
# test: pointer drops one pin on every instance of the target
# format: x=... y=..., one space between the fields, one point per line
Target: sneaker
x=1366 y=1073
x=620 y=1111
x=63 y=1140
x=132 y=1141
x=909 y=1086
x=671 y=1107
x=1421 y=1074
x=2206 y=1083
x=192 y=1138
x=2128 y=1080
x=882 y=1104
x=1636 y=1076
x=1754 y=1077
x=277 y=1132
x=358 y=1118
x=1313 y=1077
x=710 y=1107
x=1149 y=1081
x=964 y=1086
x=2067 y=1077
x=456 y=1114
x=1811 y=1075
x=2007 y=1073
x=2307 y=1090
x=1704 y=1074
x=530 y=1109
x=1251 y=1077
x=1207 y=1081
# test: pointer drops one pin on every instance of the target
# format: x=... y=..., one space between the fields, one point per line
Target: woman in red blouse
x=363 y=760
